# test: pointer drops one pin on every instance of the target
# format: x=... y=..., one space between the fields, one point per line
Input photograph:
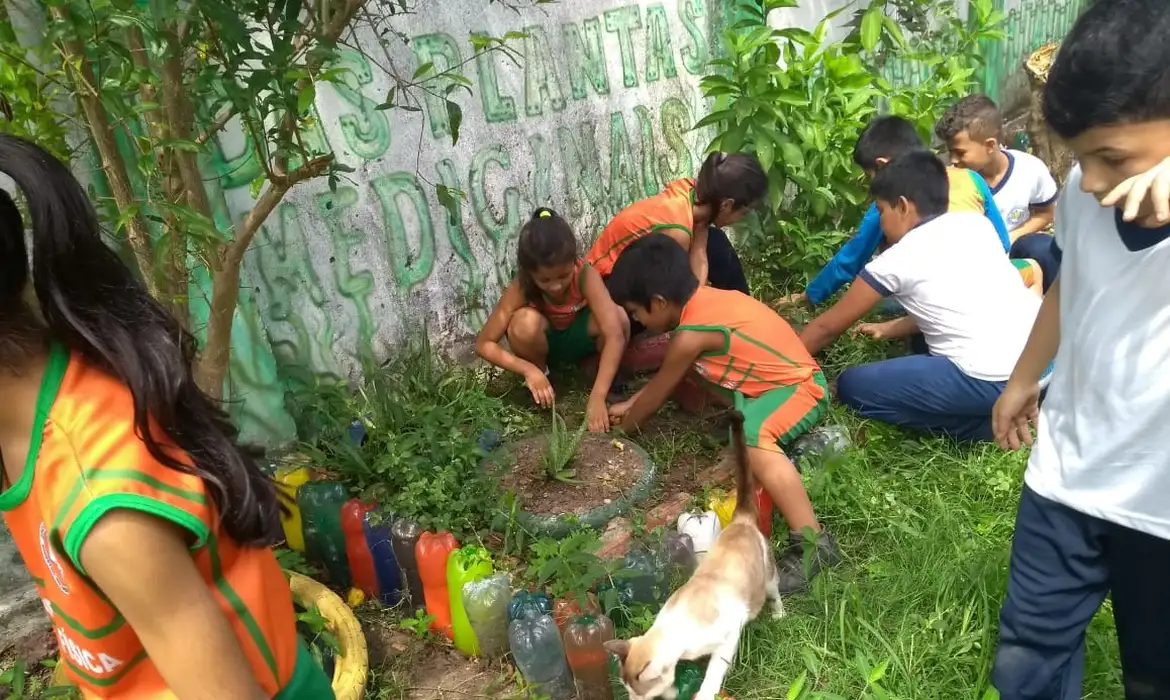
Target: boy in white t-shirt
x=1094 y=517
x=1020 y=183
x=959 y=291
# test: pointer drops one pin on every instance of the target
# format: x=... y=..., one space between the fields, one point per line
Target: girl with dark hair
x=557 y=310
x=693 y=213
x=144 y=524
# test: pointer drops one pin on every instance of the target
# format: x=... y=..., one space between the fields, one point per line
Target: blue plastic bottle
x=385 y=563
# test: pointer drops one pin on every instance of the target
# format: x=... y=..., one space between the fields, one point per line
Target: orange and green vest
x=560 y=315
x=761 y=352
x=84 y=461
x=673 y=208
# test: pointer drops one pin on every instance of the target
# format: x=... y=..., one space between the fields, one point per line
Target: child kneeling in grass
x=752 y=359
x=1094 y=515
x=959 y=290
x=556 y=311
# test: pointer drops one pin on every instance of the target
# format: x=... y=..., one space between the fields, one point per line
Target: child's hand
x=790 y=300
x=618 y=411
x=877 y=331
x=541 y=388
x=597 y=415
x=1152 y=185
x=1014 y=415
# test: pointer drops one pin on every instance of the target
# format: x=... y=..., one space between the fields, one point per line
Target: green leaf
x=879 y=672
x=423 y=70
x=793 y=98
x=715 y=118
x=793 y=156
x=797 y=688
x=766 y=151
x=455 y=118
x=306 y=99
x=871 y=28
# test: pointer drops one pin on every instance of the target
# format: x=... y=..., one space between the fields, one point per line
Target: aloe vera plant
x=561 y=449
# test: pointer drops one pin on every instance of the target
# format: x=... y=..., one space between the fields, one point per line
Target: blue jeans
x=924 y=393
x=1063 y=563
x=1042 y=248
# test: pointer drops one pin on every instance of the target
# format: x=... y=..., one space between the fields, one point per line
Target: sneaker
x=791 y=562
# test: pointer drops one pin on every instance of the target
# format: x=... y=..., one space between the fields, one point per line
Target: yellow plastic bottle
x=723 y=505
x=289 y=479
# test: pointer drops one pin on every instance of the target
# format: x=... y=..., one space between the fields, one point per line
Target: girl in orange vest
x=557 y=310
x=144 y=524
x=693 y=213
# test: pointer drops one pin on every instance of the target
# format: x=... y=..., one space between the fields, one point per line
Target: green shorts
x=777 y=417
x=570 y=346
x=309 y=681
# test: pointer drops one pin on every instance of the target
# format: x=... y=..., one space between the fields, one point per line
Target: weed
x=568 y=567
x=420 y=624
x=562 y=449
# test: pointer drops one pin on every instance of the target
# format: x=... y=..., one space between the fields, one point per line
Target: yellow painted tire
x=352 y=666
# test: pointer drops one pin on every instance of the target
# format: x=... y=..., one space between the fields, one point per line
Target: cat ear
x=618 y=647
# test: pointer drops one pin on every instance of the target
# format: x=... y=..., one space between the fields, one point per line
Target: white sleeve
x=1044 y=192
x=886 y=272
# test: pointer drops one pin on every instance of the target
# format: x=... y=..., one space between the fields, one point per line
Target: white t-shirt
x=951 y=275
x=1103 y=443
x=1026 y=183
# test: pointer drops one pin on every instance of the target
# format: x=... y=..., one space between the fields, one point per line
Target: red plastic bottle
x=361 y=562
x=432 y=551
x=764 y=508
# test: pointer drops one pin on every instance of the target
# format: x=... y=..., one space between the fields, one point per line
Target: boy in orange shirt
x=749 y=357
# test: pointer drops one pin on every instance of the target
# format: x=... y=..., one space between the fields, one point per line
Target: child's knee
x=850 y=385
x=527 y=325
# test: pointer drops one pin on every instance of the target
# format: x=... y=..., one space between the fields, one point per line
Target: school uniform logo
x=1018 y=216
x=51 y=562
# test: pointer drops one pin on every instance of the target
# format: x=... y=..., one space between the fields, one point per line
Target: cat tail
x=745 y=498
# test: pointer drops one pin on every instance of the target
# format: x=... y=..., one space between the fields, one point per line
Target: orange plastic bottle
x=361 y=562
x=432 y=552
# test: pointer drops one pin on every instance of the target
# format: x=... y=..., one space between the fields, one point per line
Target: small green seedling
x=420 y=624
x=562 y=448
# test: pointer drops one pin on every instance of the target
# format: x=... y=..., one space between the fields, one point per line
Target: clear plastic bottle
x=320 y=503
x=465 y=566
x=678 y=561
x=540 y=656
x=822 y=443
x=588 y=659
x=639 y=578
x=703 y=529
x=386 y=569
x=404 y=536
x=486 y=602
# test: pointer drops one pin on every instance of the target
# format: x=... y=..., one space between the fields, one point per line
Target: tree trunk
x=1047 y=146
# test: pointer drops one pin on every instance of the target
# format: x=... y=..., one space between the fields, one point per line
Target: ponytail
x=93 y=304
x=546 y=240
x=736 y=176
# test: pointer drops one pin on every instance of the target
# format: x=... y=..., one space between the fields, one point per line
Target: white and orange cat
x=705 y=617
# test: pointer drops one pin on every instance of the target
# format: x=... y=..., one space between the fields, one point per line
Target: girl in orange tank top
x=144 y=524
x=557 y=310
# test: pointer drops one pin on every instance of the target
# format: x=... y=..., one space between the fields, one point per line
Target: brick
x=615 y=541
x=666 y=514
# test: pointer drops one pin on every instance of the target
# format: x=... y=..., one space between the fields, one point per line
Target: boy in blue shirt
x=884 y=139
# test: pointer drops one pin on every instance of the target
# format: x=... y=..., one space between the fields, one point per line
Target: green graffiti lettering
x=623 y=21
x=472 y=286
x=659 y=51
x=367 y=133
x=540 y=179
x=284 y=268
x=497 y=107
x=676 y=124
x=582 y=170
x=441 y=51
x=497 y=229
x=540 y=75
x=241 y=169
x=586 y=58
x=355 y=285
x=410 y=269
x=623 y=169
x=646 y=133
x=695 y=54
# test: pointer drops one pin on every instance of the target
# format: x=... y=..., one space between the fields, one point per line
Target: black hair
x=654 y=266
x=978 y=115
x=93 y=304
x=546 y=240
x=884 y=137
x=1112 y=68
x=735 y=176
x=917 y=175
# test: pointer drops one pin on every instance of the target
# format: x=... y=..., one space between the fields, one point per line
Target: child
x=750 y=357
x=1023 y=188
x=1094 y=516
x=556 y=311
x=884 y=139
x=144 y=524
x=693 y=213
x=959 y=290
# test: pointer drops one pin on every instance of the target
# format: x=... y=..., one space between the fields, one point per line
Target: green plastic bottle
x=688 y=678
x=320 y=503
x=464 y=566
